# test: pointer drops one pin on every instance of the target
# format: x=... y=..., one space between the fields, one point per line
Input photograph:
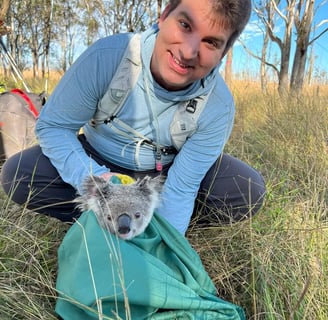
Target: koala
x=124 y=210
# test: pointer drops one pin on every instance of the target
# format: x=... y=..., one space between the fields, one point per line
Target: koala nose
x=123 y=223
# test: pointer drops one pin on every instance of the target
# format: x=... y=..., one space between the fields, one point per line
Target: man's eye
x=212 y=43
x=184 y=24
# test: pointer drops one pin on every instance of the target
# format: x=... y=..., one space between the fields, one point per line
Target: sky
x=243 y=63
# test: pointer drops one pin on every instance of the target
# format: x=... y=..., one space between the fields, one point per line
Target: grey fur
x=124 y=210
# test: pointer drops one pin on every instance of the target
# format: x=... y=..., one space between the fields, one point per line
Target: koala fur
x=124 y=210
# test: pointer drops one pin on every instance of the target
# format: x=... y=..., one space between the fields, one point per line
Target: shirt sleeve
x=193 y=161
x=71 y=105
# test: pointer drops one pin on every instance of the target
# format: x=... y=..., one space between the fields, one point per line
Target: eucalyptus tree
x=123 y=16
x=271 y=15
x=304 y=24
x=30 y=36
x=3 y=10
x=44 y=30
x=68 y=29
x=287 y=22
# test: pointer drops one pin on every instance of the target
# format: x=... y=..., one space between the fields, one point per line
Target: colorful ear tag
x=121 y=179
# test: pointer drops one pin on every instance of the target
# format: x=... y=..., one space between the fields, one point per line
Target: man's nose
x=190 y=48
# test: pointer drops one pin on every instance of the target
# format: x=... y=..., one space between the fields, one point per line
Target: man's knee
x=232 y=191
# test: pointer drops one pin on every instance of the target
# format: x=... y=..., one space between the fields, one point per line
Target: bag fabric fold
x=157 y=275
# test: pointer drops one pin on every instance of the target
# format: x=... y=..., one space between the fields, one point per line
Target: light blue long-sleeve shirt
x=74 y=101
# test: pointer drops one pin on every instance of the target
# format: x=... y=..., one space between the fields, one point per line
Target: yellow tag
x=124 y=178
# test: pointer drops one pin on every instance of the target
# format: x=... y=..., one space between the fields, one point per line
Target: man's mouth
x=182 y=65
x=178 y=66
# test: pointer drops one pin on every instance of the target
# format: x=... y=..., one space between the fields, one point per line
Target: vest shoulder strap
x=185 y=119
x=124 y=80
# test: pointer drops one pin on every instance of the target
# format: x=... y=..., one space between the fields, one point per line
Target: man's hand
x=107 y=175
x=119 y=178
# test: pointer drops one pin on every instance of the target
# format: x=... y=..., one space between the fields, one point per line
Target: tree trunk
x=4 y=9
x=283 y=78
x=303 y=27
x=159 y=8
x=263 y=64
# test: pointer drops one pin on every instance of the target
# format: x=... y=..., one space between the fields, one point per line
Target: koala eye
x=137 y=215
x=109 y=218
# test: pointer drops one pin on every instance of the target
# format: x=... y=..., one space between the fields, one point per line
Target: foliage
x=285 y=22
x=274 y=265
x=56 y=29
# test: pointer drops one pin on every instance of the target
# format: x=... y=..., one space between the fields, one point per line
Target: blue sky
x=252 y=37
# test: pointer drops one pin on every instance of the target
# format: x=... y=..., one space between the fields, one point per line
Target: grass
x=28 y=264
x=273 y=265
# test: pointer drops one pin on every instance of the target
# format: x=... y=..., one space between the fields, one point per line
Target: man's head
x=235 y=15
x=193 y=38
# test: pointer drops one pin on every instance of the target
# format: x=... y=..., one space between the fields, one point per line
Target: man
x=180 y=57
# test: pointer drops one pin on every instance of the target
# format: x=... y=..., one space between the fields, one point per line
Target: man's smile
x=177 y=65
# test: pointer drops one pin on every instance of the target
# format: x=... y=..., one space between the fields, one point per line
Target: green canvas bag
x=156 y=275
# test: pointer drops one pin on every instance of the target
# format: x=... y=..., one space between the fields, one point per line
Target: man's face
x=190 y=43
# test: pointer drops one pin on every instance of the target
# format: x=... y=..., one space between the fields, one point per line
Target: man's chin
x=174 y=84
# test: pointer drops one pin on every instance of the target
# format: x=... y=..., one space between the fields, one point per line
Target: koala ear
x=158 y=182
x=148 y=184
x=95 y=186
x=143 y=182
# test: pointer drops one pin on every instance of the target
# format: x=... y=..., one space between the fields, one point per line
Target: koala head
x=124 y=210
